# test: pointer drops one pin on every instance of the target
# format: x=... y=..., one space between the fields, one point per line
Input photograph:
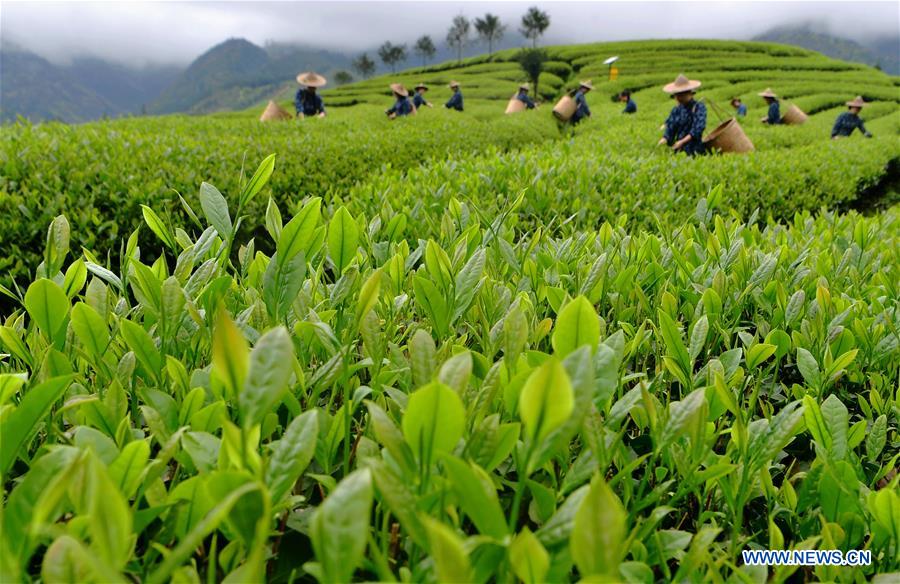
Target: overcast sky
x=177 y=32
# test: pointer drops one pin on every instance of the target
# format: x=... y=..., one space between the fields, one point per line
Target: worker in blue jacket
x=523 y=96
x=402 y=106
x=630 y=106
x=419 y=98
x=581 y=107
x=456 y=100
x=307 y=101
x=850 y=120
x=739 y=107
x=683 y=130
x=774 y=115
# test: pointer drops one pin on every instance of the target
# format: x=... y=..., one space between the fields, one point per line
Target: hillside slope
x=883 y=52
x=237 y=73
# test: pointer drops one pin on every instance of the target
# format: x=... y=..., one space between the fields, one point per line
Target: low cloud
x=177 y=32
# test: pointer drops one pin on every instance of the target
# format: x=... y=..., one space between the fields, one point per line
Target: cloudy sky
x=177 y=32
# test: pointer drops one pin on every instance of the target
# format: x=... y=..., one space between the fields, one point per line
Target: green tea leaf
x=434 y=421
x=292 y=454
x=340 y=525
x=215 y=208
x=19 y=425
x=576 y=325
x=343 y=239
x=598 y=552
x=48 y=305
x=547 y=400
x=270 y=369
x=529 y=560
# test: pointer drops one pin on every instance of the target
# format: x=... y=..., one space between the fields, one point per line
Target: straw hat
x=454 y=84
x=311 y=79
x=399 y=89
x=422 y=86
x=767 y=93
x=681 y=84
x=525 y=86
x=857 y=102
x=585 y=83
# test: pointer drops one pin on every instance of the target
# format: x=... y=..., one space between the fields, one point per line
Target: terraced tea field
x=457 y=347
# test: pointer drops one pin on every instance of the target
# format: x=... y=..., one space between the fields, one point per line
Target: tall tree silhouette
x=425 y=48
x=489 y=30
x=392 y=54
x=534 y=23
x=364 y=66
x=458 y=35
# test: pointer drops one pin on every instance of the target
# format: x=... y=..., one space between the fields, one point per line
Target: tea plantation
x=458 y=347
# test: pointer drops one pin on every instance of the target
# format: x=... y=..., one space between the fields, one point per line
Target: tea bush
x=494 y=402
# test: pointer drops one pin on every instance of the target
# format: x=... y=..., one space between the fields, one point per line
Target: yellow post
x=613 y=73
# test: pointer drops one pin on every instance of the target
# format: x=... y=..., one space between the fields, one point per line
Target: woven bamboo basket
x=794 y=116
x=565 y=108
x=729 y=137
x=274 y=112
x=515 y=106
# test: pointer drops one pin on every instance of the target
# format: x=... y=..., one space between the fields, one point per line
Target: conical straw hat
x=399 y=89
x=585 y=83
x=310 y=79
x=681 y=84
x=857 y=102
x=768 y=93
x=525 y=86
x=422 y=86
x=454 y=84
x=274 y=112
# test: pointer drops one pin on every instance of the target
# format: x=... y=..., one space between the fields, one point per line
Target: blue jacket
x=309 y=104
x=630 y=107
x=846 y=123
x=523 y=97
x=418 y=100
x=401 y=107
x=684 y=120
x=581 y=110
x=455 y=102
x=741 y=110
x=774 y=116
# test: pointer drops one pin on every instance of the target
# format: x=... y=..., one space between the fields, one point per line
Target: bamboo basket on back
x=565 y=108
x=794 y=116
x=729 y=137
x=515 y=105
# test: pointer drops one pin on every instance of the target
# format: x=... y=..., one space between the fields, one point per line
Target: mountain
x=39 y=90
x=883 y=52
x=85 y=89
x=237 y=73
x=128 y=88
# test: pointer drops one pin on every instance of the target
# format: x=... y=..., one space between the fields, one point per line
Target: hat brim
x=855 y=103
x=767 y=94
x=399 y=89
x=317 y=81
x=674 y=89
x=425 y=87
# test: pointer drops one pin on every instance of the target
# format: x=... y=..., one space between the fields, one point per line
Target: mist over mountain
x=237 y=73
x=881 y=51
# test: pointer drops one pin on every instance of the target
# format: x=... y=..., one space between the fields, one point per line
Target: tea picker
x=456 y=100
x=774 y=115
x=307 y=101
x=574 y=108
x=419 y=98
x=687 y=121
x=850 y=120
x=402 y=106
